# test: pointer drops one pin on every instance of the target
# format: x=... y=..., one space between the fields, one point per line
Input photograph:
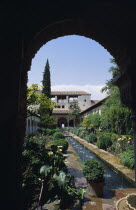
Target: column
x=56 y=99
x=67 y=99
x=68 y=122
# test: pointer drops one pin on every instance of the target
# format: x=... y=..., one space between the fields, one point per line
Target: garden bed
x=108 y=158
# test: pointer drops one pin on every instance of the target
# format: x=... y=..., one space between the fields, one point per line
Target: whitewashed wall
x=84 y=102
x=97 y=109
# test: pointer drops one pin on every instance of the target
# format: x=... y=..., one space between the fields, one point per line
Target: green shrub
x=61 y=142
x=127 y=159
x=92 y=138
x=86 y=132
x=83 y=134
x=104 y=142
x=57 y=130
x=107 y=134
x=114 y=137
x=78 y=132
x=31 y=135
x=48 y=131
x=75 y=131
x=58 y=135
x=93 y=171
x=130 y=147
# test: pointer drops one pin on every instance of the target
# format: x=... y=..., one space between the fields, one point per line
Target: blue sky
x=76 y=63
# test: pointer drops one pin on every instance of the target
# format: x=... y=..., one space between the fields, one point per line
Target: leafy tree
x=32 y=95
x=115 y=116
x=33 y=100
x=45 y=111
x=46 y=80
x=47 y=121
x=114 y=69
x=91 y=121
x=95 y=119
x=39 y=104
x=86 y=123
x=46 y=105
x=74 y=111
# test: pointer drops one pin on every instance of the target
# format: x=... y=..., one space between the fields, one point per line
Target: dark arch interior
x=64 y=28
x=62 y=122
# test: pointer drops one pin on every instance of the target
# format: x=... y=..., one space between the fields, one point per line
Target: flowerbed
x=44 y=168
x=121 y=146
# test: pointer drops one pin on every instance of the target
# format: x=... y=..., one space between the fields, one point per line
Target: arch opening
x=62 y=122
x=43 y=37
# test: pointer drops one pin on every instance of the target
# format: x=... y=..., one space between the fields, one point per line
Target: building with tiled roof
x=95 y=108
x=63 y=99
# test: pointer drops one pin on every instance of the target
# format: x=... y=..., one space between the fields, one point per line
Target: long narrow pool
x=113 y=180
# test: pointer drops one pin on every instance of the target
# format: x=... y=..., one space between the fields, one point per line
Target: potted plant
x=94 y=173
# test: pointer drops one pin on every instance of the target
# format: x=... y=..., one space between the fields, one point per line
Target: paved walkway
x=75 y=168
x=91 y=203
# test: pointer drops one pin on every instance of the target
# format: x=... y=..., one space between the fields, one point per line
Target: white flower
x=50 y=153
x=59 y=147
x=60 y=150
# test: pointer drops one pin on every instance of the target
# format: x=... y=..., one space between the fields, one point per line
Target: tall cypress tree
x=46 y=80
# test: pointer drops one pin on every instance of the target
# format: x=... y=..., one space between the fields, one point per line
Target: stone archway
x=109 y=23
x=93 y=30
x=75 y=26
x=62 y=122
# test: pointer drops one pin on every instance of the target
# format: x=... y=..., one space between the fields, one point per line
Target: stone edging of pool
x=108 y=158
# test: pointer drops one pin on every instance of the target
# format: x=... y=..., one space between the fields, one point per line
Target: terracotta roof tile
x=69 y=93
x=60 y=111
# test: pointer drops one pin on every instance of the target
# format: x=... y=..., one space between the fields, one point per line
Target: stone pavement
x=75 y=165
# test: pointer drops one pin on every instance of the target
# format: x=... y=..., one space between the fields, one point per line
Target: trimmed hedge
x=61 y=142
x=91 y=138
x=127 y=159
x=93 y=171
x=58 y=135
x=48 y=131
x=104 y=142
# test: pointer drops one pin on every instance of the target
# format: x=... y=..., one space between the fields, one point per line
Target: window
x=63 y=106
x=84 y=100
x=61 y=97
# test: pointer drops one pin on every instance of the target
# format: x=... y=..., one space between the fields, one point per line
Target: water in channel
x=113 y=180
